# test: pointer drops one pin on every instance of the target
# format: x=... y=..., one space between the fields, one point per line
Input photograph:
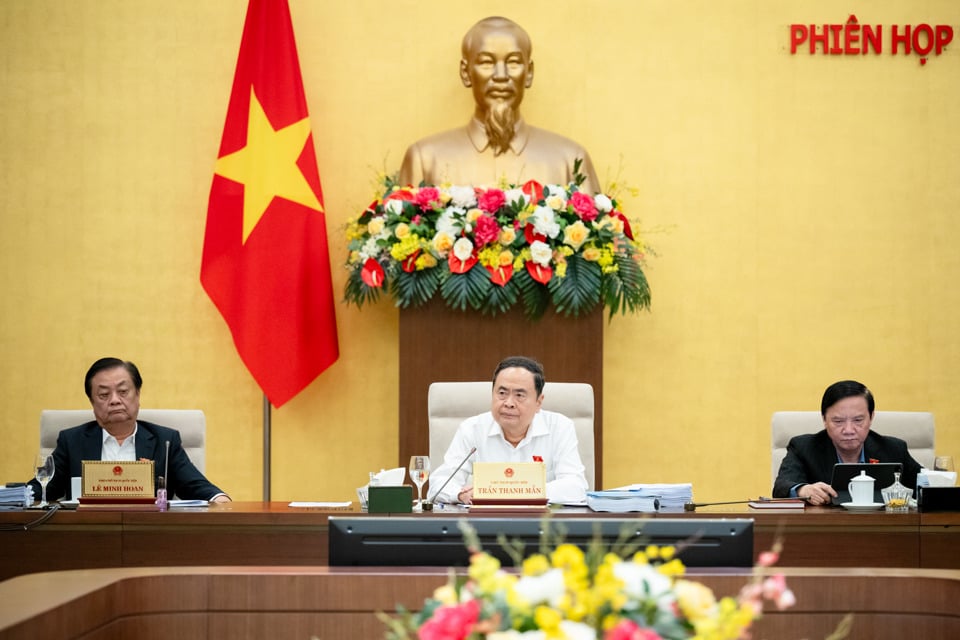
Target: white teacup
x=861 y=489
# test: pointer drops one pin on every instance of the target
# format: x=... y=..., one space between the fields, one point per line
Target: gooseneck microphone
x=428 y=505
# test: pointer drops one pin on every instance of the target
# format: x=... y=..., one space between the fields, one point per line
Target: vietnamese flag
x=265 y=260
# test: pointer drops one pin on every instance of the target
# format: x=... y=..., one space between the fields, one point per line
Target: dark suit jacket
x=85 y=442
x=810 y=458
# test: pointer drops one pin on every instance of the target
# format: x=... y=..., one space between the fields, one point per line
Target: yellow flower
x=695 y=600
x=425 y=261
x=406 y=247
x=548 y=621
x=446 y=594
x=576 y=234
x=402 y=230
x=442 y=243
x=473 y=214
x=591 y=254
x=556 y=203
x=507 y=236
x=375 y=226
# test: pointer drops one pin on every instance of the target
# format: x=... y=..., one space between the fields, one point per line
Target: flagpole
x=266 y=449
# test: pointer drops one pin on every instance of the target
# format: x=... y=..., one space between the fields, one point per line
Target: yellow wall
x=803 y=209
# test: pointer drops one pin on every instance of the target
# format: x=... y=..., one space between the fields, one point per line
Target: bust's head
x=497 y=67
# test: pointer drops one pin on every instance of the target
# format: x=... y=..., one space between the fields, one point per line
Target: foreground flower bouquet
x=487 y=249
x=615 y=593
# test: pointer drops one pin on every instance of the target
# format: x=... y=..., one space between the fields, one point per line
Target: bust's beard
x=499 y=123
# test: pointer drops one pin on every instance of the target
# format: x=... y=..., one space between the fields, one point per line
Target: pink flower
x=486 y=230
x=491 y=200
x=427 y=197
x=629 y=630
x=768 y=558
x=584 y=206
x=451 y=623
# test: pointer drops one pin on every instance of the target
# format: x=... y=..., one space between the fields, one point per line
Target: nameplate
x=115 y=479
x=509 y=483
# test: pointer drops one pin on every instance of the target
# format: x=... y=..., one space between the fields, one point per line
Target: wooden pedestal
x=438 y=344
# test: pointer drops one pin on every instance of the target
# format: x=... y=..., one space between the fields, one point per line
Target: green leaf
x=415 y=288
x=462 y=290
x=626 y=289
x=500 y=299
x=578 y=292
x=535 y=296
x=357 y=292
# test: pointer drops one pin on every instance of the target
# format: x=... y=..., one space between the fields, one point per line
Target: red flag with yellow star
x=266 y=265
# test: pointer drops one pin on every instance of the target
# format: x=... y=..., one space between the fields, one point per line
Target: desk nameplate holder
x=510 y=484
x=119 y=484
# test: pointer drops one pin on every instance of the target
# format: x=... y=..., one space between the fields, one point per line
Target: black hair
x=523 y=362
x=111 y=363
x=845 y=389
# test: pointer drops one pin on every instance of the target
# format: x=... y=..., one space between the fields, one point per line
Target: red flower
x=500 y=276
x=485 y=230
x=629 y=630
x=491 y=200
x=626 y=223
x=401 y=194
x=427 y=197
x=539 y=272
x=533 y=189
x=372 y=273
x=451 y=623
x=460 y=266
x=583 y=205
x=409 y=263
x=530 y=234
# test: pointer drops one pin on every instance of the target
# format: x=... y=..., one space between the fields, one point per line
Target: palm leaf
x=626 y=289
x=535 y=296
x=578 y=291
x=357 y=292
x=415 y=288
x=462 y=290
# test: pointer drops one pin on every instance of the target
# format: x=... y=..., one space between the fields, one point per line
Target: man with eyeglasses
x=847 y=410
x=515 y=430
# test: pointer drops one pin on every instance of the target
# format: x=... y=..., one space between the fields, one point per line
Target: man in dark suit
x=847 y=410
x=113 y=387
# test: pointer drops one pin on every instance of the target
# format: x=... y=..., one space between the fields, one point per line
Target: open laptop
x=881 y=472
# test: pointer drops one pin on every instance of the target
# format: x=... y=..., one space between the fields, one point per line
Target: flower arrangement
x=616 y=593
x=487 y=248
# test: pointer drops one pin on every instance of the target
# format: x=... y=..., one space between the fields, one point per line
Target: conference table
x=277 y=534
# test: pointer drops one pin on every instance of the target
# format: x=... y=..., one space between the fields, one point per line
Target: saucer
x=868 y=506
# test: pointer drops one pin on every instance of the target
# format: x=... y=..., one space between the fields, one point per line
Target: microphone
x=428 y=505
x=692 y=506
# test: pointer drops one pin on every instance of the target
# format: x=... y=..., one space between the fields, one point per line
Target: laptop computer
x=881 y=472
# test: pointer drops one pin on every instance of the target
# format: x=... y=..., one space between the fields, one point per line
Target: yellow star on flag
x=267 y=166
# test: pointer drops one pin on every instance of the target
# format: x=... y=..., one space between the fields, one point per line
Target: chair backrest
x=450 y=403
x=914 y=427
x=191 y=423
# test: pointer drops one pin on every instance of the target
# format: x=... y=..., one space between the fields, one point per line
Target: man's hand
x=817 y=493
x=466 y=495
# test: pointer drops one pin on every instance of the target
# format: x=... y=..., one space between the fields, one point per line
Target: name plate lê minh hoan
x=509 y=483
x=118 y=479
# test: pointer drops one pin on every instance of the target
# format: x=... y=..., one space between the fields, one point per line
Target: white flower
x=513 y=195
x=572 y=631
x=540 y=252
x=555 y=190
x=642 y=581
x=547 y=587
x=602 y=203
x=463 y=249
x=450 y=221
x=462 y=197
x=370 y=249
x=545 y=222
x=394 y=206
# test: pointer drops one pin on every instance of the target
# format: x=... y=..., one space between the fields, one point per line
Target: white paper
x=321 y=505
x=188 y=503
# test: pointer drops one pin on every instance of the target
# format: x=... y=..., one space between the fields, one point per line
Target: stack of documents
x=622 y=501
x=672 y=496
x=16 y=496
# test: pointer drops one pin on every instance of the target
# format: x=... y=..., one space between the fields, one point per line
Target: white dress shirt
x=551 y=437
x=113 y=450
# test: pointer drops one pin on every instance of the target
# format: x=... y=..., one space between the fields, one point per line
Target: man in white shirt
x=515 y=430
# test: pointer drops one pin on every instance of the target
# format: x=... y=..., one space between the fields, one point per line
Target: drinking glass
x=45 y=469
x=419 y=470
x=943 y=463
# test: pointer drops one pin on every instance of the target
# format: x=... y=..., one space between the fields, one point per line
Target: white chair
x=914 y=427
x=191 y=423
x=450 y=403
